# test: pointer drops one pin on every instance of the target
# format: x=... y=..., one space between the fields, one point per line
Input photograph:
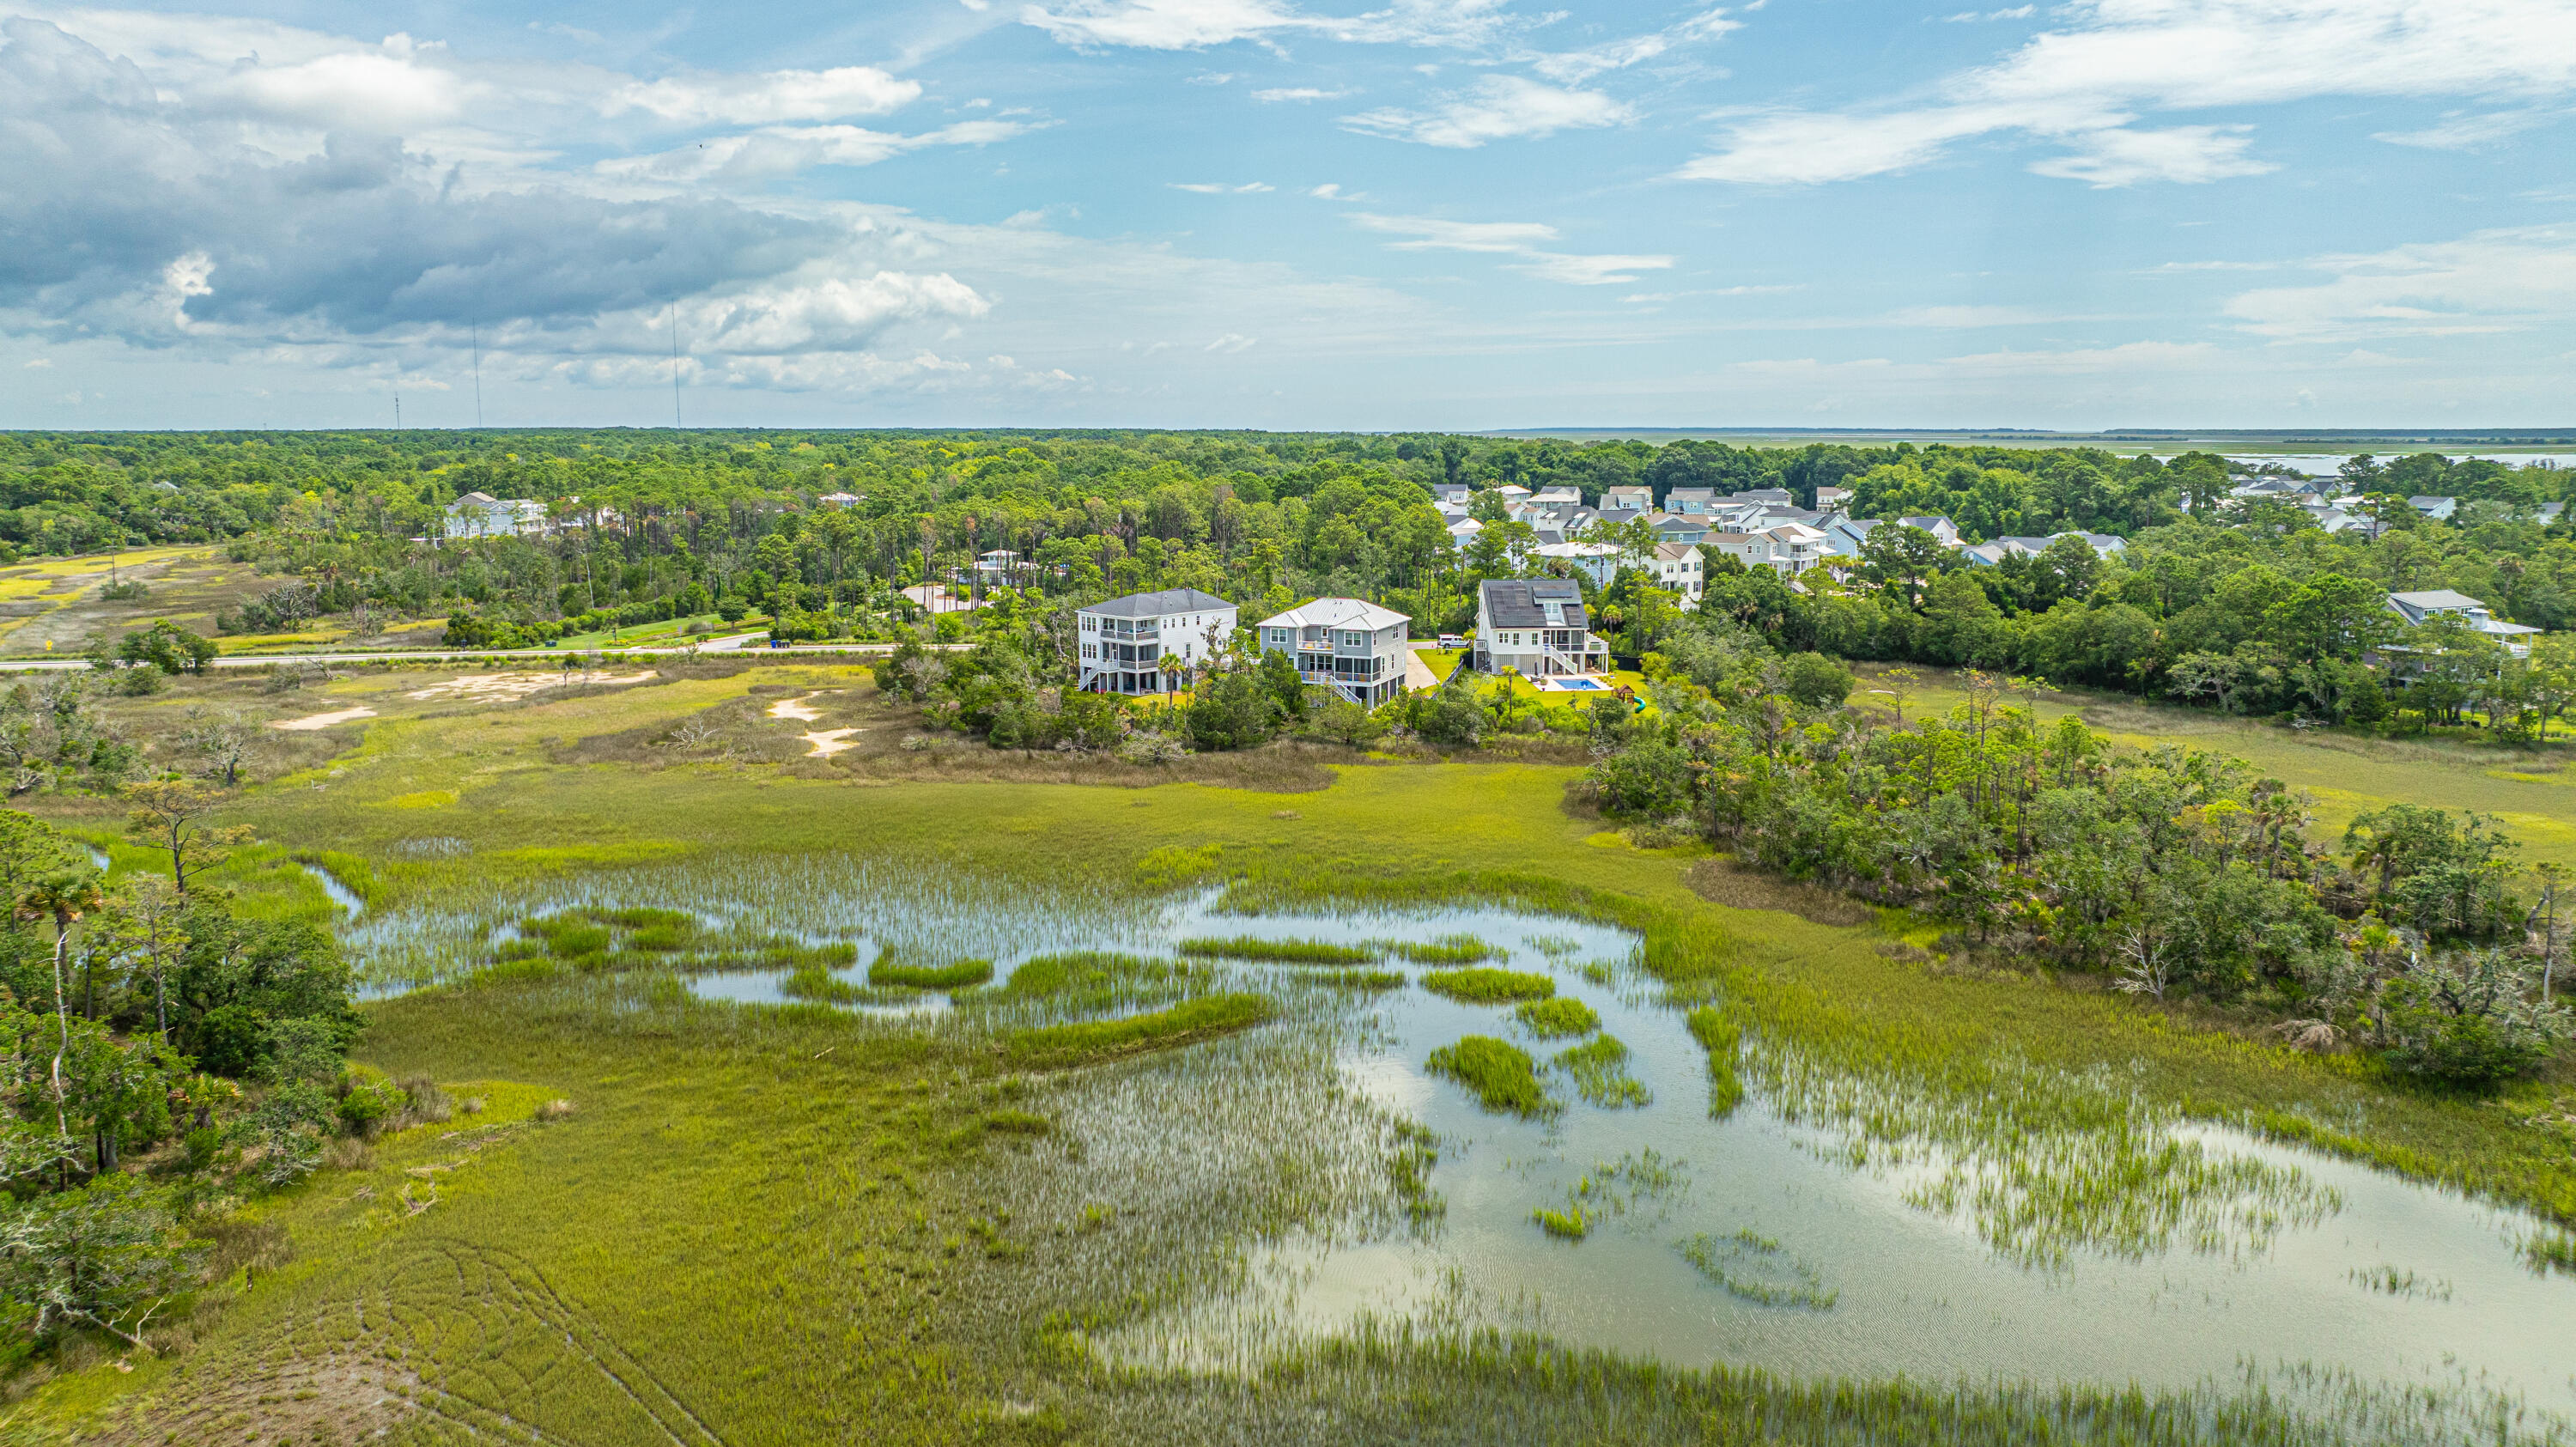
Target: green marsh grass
x=1566 y=1225
x=1718 y=1036
x=1599 y=1069
x=1282 y=952
x=1501 y=1075
x=1558 y=1018
x=1057 y=1047
x=1752 y=1267
x=1447 y=950
x=1484 y=985
x=1360 y=979
x=955 y=975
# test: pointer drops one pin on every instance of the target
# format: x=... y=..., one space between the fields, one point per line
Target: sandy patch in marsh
x=322 y=720
x=794 y=708
x=504 y=687
x=828 y=742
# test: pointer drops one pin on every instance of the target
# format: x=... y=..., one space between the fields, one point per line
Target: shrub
x=1484 y=985
x=1554 y=1019
x=1500 y=1074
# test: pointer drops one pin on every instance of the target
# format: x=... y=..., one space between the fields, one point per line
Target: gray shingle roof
x=1519 y=602
x=1159 y=605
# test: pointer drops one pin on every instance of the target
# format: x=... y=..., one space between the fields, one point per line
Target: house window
x=1090 y=624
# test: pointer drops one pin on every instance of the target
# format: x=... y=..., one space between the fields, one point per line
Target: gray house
x=1349 y=645
x=1538 y=627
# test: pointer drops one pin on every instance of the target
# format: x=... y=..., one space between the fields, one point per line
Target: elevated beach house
x=1353 y=647
x=1124 y=641
x=1538 y=626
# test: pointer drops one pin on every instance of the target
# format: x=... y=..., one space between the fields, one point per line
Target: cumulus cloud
x=1517 y=239
x=2493 y=281
x=1500 y=107
x=2086 y=82
x=1580 y=65
x=1297 y=93
x=2462 y=132
x=780 y=95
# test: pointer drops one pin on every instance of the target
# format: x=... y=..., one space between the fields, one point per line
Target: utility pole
x=398 y=411
x=675 y=364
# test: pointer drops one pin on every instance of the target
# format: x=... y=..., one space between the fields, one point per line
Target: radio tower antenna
x=474 y=331
x=675 y=364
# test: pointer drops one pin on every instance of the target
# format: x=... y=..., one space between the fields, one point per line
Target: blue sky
x=1292 y=213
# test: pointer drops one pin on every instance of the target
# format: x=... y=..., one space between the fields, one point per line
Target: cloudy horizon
x=1460 y=214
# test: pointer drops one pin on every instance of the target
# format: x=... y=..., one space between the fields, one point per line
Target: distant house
x=1671 y=527
x=2419 y=608
x=2439 y=509
x=1833 y=499
x=1844 y=535
x=1789 y=549
x=1558 y=497
x=1597 y=561
x=1988 y=554
x=1511 y=492
x=1697 y=501
x=1536 y=626
x=1125 y=640
x=839 y=499
x=1463 y=532
x=481 y=515
x=1349 y=645
x=1628 y=499
x=1677 y=568
x=1941 y=528
x=997 y=563
x=1455 y=493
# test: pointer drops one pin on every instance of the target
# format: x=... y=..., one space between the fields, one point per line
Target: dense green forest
x=2246 y=605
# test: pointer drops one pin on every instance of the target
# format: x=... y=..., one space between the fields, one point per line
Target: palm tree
x=64 y=896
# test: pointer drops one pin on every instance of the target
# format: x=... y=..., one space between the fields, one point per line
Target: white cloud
x=1970 y=17
x=1219 y=188
x=1297 y=93
x=779 y=96
x=39 y=364
x=1579 y=65
x=2085 y=82
x=1501 y=107
x=775 y=151
x=1196 y=24
x=1229 y=343
x=2186 y=154
x=1959 y=317
x=2493 y=281
x=1510 y=238
x=1332 y=191
x=2462 y=132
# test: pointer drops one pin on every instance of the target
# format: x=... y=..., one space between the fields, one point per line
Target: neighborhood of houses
x=1535 y=628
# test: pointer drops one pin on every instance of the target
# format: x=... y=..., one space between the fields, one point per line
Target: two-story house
x=2419 y=608
x=1788 y=549
x=481 y=515
x=1537 y=627
x=1353 y=647
x=1124 y=641
x=1677 y=569
x=1628 y=499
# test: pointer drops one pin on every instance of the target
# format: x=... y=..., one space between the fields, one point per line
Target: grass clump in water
x=1361 y=979
x=1502 y=1075
x=1719 y=1037
x=1084 y=1042
x=1278 y=952
x=1446 y=950
x=1567 y=1225
x=1084 y=981
x=1558 y=1018
x=2550 y=1251
x=813 y=982
x=1599 y=1068
x=956 y=975
x=594 y=939
x=1753 y=1268
x=1483 y=985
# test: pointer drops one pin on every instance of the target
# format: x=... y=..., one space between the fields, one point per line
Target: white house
x=839 y=499
x=1833 y=499
x=2439 y=509
x=1677 y=568
x=1351 y=646
x=1558 y=497
x=1125 y=640
x=1597 y=561
x=1536 y=626
x=1789 y=549
x=1988 y=554
x=1628 y=499
x=2416 y=608
x=1463 y=532
x=1941 y=528
x=481 y=515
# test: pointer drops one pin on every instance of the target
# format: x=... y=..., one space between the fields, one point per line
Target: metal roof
x=1159 y=605
x=1337 y=613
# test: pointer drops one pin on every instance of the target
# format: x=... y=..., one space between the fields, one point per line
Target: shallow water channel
x=1757 y=1240
x=1812 y=1265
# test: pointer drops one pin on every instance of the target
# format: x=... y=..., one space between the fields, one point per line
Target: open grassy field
x=795 y=1223
x=55 y=604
